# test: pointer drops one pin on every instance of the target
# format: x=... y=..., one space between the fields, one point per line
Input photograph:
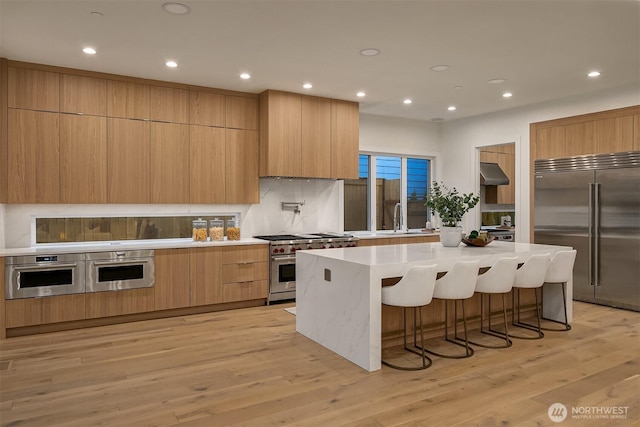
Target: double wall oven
x=282 y=266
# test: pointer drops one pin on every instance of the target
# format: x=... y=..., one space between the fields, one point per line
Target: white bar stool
x=530 y=276
x=459 y=283
x=497 y=280
x=559 y=273
x=414 y=290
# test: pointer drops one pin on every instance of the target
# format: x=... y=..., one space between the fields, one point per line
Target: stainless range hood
x=492 y=174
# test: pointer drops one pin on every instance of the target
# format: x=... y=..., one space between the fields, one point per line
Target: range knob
x=293 y=249
x=309 y=247
x=339 y=246
x=281 y=250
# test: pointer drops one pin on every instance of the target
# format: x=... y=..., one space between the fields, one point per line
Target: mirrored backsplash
x=98 y=229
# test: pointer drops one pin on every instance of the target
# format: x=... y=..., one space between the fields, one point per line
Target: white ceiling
x=543 y=48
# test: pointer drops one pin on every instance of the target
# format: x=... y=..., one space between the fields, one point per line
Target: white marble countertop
x=383 y=234
x=124 y=245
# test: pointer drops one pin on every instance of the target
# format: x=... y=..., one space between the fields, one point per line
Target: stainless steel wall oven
x=113 y=271
x=44 y=275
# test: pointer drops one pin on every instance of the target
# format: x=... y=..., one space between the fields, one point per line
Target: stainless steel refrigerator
x=593 y=204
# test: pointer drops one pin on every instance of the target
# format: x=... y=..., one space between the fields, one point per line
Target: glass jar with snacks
x=199 y=229
x=216 y=230
x=233 y=229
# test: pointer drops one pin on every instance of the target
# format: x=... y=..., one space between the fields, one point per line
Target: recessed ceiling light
x=360 y=94
x=451 y=108
x=245 y=76
x=407 y=101
x=89 y=50
x=458 y=87
x=594 y=74
x=507 y=95
x=496 y=81
x=307 y=85
x=171 y=64
x=96 y=14
x=176 y=8
x=370 y=52
x=439 y=68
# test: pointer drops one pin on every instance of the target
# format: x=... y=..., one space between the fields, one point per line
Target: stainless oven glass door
x=43 y=276
x=283 y=274
x=114 y=271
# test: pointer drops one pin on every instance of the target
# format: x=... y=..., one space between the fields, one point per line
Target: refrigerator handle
x=590 y=235
x=596 y=234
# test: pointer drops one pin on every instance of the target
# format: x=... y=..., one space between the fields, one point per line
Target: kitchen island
x=338 y=297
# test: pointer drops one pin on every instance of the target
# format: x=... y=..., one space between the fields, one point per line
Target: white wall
x=460 y=138
x=379 y=134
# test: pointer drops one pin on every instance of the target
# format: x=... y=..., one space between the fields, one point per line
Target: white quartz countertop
x=389 y=233
x=127 y=246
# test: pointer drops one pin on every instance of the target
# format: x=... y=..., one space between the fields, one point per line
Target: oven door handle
x=118 y=263
x=280 y=259
x=45 y=267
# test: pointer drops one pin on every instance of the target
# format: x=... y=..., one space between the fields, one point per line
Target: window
x=397 y=179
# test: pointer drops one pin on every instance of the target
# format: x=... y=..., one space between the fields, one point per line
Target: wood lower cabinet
x=63 y=308
x=172 y=288
x=128 y=100
x=399 y=240
x=117 y=303
x=33 y=89
x=245 y=273
x=83 y=95
x=169 y=162
x=128 y=156
x=207 y=165
x=206 y=275
x=316 y=137
x=242 y=183
x=33 y=154
x=83 y=159
x=345 y=137
x=23 y=312
x=206 y=109
x=169 y=104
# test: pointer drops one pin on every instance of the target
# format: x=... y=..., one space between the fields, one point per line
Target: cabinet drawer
x=245 y=272
x=245 y=254
x=245 y=291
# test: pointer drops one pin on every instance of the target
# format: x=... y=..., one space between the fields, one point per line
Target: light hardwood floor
x=250 y=368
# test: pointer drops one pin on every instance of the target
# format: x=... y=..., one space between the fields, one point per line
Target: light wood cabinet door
x=33 y=157
x=63 y=308
x=242 y=183
x=128 y=161
x=636 y=132
x=550 y=143
x=507 y=193
x=208 y=165
x=245 y=291
x=241 y=113
x=207 y=109
x=23 y=312
x=614 y=135
x=169 y=163
x=169 y=104
x=85 y=95
x=247 y=272
x=579 y=139
x=206 y=275
x=316 y=137
x=345 y=133
x=33 y=89
x=118 y=303
x=280 y=133
x=3 y=310
x=245 y=254
x=83 y=159
x=128 y=100
x=172 y=288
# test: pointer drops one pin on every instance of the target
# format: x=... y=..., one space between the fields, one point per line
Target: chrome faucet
x=397 y=217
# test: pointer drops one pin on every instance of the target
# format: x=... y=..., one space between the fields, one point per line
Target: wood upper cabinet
x=128 y=156
x=33 y=89
x=118 y=303
x=242 y=184
x=345 y=131
x=208 y=165
x=550 y=143
x=84 y=95
x=316 y=137
x=172 y=288
x=206 y=275
x=83 y=159
x=580 y=139
x=206 y=109
x=128 y=100
x=636 y=132
x=169 y=163
x=614 y=135
x=280 y=134
x=33 y=157
x=241 y=113
x=169 y=104
x=504 y=156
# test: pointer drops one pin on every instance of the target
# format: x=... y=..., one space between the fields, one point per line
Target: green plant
x=449 y=204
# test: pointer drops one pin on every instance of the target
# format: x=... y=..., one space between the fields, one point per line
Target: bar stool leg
x=567 y=326
x=468 y=350
x=524 y=325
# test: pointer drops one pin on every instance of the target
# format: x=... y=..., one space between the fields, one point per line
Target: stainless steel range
x=283 y=247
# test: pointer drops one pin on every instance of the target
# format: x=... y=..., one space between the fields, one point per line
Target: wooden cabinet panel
x=169 y=163
x=345 y=146
x=580 y=139
x=33 y=89
x=614 y=135
x=280 y=133
x=83 y=159
x=86 y=95
x=63 y=308
x=33 y=157
x=245 y=254
x=207 y=174
x=172 y=288
x=207 y=109
x=550 y=143
x=316 y=137
x=242 y=183
x=232 y=273
x=127 y=100
x=117 y=303
x=23 y=312
x=636 y=132
x=206 y=275
x=241 y=113
x=169 y=104
x=128 y=161
x=245 y=291
x=507 y=193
